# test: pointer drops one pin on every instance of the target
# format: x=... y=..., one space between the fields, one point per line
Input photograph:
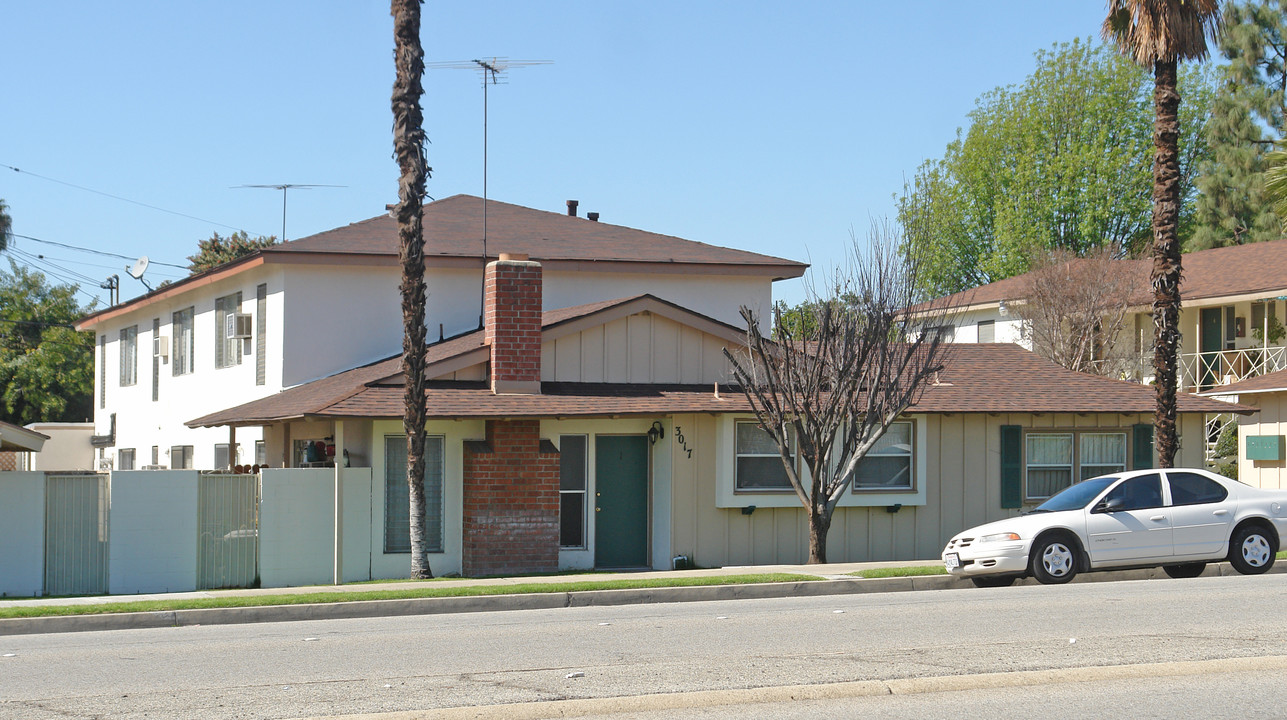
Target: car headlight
x=999 y=537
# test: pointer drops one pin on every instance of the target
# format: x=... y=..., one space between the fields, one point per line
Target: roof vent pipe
x=594 y=217
x=572 y=208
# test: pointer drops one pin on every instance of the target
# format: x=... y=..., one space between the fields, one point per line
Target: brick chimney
x=512 y=323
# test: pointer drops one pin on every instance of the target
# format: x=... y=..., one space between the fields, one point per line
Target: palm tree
x=1158 y=34
x=1276 y=181
x=409 y=149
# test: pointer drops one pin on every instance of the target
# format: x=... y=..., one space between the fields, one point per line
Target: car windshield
x=1076 y=497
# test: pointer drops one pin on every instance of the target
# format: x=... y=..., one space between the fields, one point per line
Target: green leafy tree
x=1059 y=162
x=217 y=250
x=46 y=367
x=1234 y=204
x=1158 y=34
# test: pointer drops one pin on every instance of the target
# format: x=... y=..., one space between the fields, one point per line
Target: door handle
x=598 y=509
x=1219 y=512
x=1158 y=518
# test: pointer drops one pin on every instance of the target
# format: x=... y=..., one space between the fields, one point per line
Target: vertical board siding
x=640 y=348
x=76 y=534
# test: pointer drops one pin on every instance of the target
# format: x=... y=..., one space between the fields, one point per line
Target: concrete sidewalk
x=835 y=580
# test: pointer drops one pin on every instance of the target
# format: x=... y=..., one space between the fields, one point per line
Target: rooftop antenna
x=284 y=187
x=493 y=70
x=137 y=269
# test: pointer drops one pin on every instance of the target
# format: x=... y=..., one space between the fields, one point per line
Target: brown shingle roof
x=1218 y=272
x=454 y=228
x=1269 y=382
x=982 y=378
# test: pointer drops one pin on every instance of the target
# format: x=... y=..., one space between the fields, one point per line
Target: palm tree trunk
x=408 y=147
x=1166 y=271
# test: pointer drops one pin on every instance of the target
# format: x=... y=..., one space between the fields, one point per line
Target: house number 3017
x=683 y=444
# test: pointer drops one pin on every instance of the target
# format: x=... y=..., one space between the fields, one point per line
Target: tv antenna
x=495 y=71
x=284 y=187
x=137 y=269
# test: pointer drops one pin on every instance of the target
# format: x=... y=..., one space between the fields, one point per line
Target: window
x=759 y=464
x=222 y=460
x=261 y=334
x=1102 y=454
x=1053 y=460
x=227 y=346
x=156 y=456
x=1138 y=493
x=1193 y=489
x=1050 y=463
x=125 y=459
x=888 y=466
x=102 y=371
x=156 y=359
x=397 y=496
x=946 y=333
x=129 y=355
x=181 y=342
x=987 y=331
x=261 y=452
x=181 y=457
x=572 y=490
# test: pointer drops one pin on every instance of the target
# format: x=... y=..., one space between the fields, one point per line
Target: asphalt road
x=327 y=668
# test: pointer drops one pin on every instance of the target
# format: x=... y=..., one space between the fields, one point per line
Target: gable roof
x=15 y=437
x=453 y=236
x=1239 y=270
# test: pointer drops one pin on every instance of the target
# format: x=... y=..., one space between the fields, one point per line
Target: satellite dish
x=138 y=268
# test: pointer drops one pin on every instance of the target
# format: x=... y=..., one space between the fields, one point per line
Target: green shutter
x=1142 y=447
x=1011 y=466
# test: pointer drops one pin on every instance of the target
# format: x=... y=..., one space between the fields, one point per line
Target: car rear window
x=1193 y=489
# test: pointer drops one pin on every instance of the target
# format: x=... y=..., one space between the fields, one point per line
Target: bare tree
x=830 y=388
x=409 y=149
x=1074 y=311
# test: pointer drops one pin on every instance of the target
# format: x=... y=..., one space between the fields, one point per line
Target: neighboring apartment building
x=1234 y=305
x=312 y=307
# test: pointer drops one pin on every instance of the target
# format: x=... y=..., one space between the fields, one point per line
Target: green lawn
x=425 y=592
x=901 y=571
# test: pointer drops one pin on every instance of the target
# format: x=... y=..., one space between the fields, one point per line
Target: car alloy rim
x=1255 y=550
x=1057 y=559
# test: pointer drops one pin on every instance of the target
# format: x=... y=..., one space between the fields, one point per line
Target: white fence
x=149 y=531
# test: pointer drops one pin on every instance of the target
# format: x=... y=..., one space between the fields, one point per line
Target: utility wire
x=90 y=250
x=118 y=197
x=42 y=260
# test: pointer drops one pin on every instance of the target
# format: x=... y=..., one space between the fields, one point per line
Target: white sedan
x=1179 y=519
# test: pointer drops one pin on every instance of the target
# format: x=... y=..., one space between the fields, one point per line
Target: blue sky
x=773 y=127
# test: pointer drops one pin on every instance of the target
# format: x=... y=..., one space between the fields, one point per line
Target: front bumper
x=1008 y=558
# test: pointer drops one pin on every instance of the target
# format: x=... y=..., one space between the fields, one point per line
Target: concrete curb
x=533 y=601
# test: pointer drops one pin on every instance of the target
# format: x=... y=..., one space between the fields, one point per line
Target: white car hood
x=1026 y=526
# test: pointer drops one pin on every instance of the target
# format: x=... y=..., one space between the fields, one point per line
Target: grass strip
x=401 y=594
x=911 y=571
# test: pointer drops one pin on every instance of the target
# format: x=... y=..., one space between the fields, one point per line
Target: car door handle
x=1158 y=518
x=1219 y=512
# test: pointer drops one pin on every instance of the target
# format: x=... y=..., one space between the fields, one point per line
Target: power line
x=43 y=261
x=95 y=252
x=122 y=199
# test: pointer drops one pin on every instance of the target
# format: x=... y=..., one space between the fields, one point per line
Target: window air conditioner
x=239 y=326
x=162 y=347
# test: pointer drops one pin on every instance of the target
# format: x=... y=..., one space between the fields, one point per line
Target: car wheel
x=993 y=581
x=1251 y=551
x=1187 y=570
x=1053 y=560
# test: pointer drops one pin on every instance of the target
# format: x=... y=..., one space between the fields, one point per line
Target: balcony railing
x=1206 y=370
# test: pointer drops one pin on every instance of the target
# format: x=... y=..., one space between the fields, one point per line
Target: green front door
x=1210 y=345
x=621 y=501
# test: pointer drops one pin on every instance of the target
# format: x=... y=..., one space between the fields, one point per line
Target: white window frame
x=776 y=457
x=183 y=341
x=125 y=459
x=228 y=349
x=727 y=497
x=129 y=356
x=911 y=464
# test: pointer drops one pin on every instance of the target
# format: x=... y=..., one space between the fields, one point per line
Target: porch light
x=655 y=432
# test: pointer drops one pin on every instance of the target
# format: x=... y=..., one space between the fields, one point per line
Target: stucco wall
x=153 y=546
x=22 y=533
x=296 y=527
x=67 y=448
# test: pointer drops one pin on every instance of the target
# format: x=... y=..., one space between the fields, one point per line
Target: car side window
x=1138 y=493
x=1193 y=489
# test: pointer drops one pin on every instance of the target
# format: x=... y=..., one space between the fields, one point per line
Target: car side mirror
x=1109 y=505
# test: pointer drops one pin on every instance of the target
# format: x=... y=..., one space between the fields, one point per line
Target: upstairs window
x=227 y=342
x=987 y=331
x=182 y=342
x=129 y=355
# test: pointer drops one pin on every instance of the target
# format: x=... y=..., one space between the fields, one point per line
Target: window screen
x=889 y=464
x=759 y=464
x=397 y=496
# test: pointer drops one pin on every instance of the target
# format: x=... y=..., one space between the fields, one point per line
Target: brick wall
x=512 y=324
x=511 y=513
